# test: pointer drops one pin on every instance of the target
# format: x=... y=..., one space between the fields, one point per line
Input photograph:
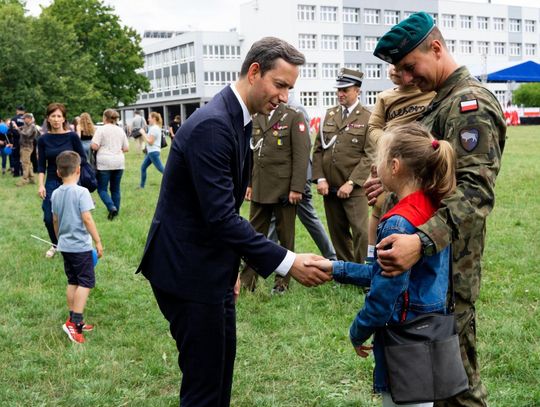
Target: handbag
x=423 y=356
x=163 y=140
x=136 y=133
x=87 y=178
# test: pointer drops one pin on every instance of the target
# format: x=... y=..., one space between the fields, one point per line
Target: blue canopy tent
x=525 y=72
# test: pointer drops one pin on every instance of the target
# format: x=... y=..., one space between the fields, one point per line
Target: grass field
x=293 y=350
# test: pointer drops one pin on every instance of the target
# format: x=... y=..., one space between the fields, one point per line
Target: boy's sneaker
x=71 y=330
x=51 y=252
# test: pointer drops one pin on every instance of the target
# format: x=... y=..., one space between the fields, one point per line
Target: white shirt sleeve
x=286 y=264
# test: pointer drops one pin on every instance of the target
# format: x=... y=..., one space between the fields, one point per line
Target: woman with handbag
x=420 y=171
x=110 y=142
x=57 y=139
x=153 y=145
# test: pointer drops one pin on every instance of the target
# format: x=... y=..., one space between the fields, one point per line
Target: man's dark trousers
x=205 y=336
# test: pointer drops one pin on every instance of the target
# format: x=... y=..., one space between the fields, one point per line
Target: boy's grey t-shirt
x=68 y=203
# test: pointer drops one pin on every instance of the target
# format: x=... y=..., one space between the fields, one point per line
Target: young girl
x=153 y=145
x=420 y=170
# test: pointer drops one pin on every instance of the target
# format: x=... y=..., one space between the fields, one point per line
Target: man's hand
x=345 y=190
x=309 y=276
x=398 y=253
x=249 y=191
x=362 y=350
x=295 y=197
x=373 y=188
x=236 y=289
x=323 y=188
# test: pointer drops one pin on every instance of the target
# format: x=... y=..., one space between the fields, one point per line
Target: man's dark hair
x=67 y=163
x=267 y=50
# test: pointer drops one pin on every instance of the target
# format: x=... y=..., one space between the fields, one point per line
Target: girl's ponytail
x=441 y=180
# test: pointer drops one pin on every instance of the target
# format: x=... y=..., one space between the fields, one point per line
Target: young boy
x=75 y=228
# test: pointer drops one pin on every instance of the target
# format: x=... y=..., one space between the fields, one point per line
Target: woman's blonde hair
x=157 y=118
x=86 y=124
x=431 y=162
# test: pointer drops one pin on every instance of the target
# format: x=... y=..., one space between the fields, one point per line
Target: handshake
x=311 y=270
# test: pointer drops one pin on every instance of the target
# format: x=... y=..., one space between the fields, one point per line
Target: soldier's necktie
x=345 y=114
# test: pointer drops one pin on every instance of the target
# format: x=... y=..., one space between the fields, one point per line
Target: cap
x=20 y=107
x=404 y=37
x=348 y=77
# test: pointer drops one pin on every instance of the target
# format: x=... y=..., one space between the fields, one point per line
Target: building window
x=307 y=41
x=514 y=25
x=391 y=17
x=448 y=21
x=530 y=50
x=371 y=97
x=329 y=42
x=451 y=45
x=308 y=99
x=329 y=99
x=351 y=43
x=407 y=14
x=498 y=48
x=501 y=96
x=514 y=49
x=328 y=14
x=351 y=15
x=372 y=16
x=498 y=24
x=482 y=23
x=330 y=71
x=370 y=43
x=356 y=67
x=373 y=71
x=530 y=26
x=305 y=12
x=483 y=47
x=308 y=71
x=466 y=47
x=212 y=51
x=465 y=22
x=434 y=17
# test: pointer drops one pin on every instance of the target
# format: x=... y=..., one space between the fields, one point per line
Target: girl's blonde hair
x=431 y=162
x=157 y=118
x=86 y=124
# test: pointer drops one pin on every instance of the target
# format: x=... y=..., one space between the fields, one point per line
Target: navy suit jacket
x=197 y=236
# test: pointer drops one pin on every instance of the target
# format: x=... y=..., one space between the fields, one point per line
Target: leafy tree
x=527 y=94
x=114 y=49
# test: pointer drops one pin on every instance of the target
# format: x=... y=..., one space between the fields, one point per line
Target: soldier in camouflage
x=468 y=116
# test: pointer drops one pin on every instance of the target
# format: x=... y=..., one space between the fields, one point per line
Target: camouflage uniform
x=469 y=117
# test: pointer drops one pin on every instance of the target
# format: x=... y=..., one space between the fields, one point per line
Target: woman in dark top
x=57 y=139
x=175 y=125
x=85 y=129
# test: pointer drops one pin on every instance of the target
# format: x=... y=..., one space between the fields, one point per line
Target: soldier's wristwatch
x=428 y=247
x=350 y=182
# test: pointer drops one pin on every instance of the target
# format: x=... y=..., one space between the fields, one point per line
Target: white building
x=186 y=70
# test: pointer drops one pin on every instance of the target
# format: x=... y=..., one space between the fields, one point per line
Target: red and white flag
x=468 y=105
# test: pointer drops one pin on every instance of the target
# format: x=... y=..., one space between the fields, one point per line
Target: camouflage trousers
x=476 y=396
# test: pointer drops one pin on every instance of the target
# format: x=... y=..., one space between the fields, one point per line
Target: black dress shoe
x=113 y=213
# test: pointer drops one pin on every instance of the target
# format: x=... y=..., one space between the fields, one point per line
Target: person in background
x=175 y=125
x=111 y=143
x=56 y=140
x=86 y=130
x=153 y=145
x=16 y=123
x=137 y=124
x=28 y=136
x=5 y=141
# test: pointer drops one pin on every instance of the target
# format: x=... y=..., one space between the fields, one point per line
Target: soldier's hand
x=322 y=188
x=362 y=350
x=397 y=253
x=308 y=275
x=345 y=191
x=249 y=191
x=373 y=188
x=236 y=289
x=295 y=197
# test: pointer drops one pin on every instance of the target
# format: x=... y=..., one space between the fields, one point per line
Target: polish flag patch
x=301 y=127
x=468 y=106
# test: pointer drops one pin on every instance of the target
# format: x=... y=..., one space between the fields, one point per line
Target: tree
x=114 y=49
x=527 y=94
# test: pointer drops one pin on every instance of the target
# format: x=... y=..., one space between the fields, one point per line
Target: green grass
x=292 y=350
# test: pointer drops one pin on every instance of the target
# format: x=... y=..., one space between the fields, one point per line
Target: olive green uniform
x=281 y=148
x=468 y=116
x=349 y=157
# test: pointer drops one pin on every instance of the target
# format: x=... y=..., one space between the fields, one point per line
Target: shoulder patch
x=469 y=139
x=468 y=106
x=301 y=127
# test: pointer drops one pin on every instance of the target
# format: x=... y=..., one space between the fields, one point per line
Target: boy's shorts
x=79 y=268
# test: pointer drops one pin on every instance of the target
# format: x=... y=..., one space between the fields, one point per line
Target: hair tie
x=435 y=144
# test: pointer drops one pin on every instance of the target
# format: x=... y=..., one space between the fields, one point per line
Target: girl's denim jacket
x=426 y=281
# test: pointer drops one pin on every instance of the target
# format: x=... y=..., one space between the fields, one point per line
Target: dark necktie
x=345 y=114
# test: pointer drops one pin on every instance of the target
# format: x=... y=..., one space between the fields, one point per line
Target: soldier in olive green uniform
x=280 y=145
x=468 y=116
x=342 y=158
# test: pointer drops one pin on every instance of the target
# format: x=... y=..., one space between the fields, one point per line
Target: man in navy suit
x=197 y=236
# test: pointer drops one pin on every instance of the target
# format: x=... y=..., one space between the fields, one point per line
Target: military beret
x=348 y=77
x=404 y=37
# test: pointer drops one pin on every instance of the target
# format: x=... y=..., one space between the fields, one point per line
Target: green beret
x=404 y=37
